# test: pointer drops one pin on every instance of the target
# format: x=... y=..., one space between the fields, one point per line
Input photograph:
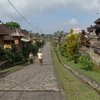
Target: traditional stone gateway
x=94 y=35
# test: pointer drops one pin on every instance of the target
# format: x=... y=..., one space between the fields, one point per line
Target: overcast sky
x=50 y=16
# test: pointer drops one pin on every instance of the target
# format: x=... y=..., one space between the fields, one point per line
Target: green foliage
x=71 y=50
x=76 y=57
x=1 y=48
x=26 y=50
x=1 y=52
x=48 y=37
x=54 y=43
x=32 y=47
x=86 y=62
x=59 y=35
x=7 y=55
x=37 y=35
x=63 y=51
x=96 y=67
x=18 y=57
x=12 y=25
x=71 y=44
x=74 y=89
x=10 y=55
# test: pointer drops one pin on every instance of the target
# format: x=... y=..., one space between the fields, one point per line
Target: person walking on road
x=40 y=57
x=31 y=58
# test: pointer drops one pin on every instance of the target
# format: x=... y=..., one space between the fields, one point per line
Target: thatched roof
x=97 y=21
x=17 y=32
x=8 y=38
x=4 y=30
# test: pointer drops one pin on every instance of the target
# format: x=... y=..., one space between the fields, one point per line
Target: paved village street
x=34 y=82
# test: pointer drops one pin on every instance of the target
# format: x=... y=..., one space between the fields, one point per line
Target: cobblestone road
x=33 y=82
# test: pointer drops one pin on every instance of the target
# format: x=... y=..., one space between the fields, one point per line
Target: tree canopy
x=59 y=35
x=12 y=25
x=71 y=43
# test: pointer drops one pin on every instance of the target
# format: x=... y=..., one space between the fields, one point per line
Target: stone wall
x=95 y=57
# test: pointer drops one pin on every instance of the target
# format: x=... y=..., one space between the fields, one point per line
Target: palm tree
x=59 y=35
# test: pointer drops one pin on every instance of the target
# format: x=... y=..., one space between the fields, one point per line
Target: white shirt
x=30 y=56
x=40 y=55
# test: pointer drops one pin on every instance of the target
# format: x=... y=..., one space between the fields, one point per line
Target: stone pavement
x=33 y=82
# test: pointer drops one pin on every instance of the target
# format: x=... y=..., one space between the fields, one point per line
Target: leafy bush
x=54 y=43
x=10 y=54
x=76 y=57
x=1 y=48
x=63 y=51
x=7 y=55
x=26 y=50
x=32 y=47
x=1 y=52
x=18 y=57
x=86 y=62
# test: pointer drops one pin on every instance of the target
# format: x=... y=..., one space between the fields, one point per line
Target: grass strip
x=12 y=69
x=92 y=74
x=74 y=89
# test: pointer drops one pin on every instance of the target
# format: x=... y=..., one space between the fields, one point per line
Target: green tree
x=48 y=36
x=37 y=35
x=71 y=44
x=59 y=35
x=12 y=25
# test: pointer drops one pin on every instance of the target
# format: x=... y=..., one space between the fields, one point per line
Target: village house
x=26 y=38
x=76 y=31
x=10 y=38
x=4 y=31
x=17 y=35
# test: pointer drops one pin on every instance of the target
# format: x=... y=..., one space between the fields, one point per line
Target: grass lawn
x=12 y=69
x=74 y=89
x=93 y=74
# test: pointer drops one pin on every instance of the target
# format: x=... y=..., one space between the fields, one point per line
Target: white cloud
x=73 y=21
x=36 y=7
